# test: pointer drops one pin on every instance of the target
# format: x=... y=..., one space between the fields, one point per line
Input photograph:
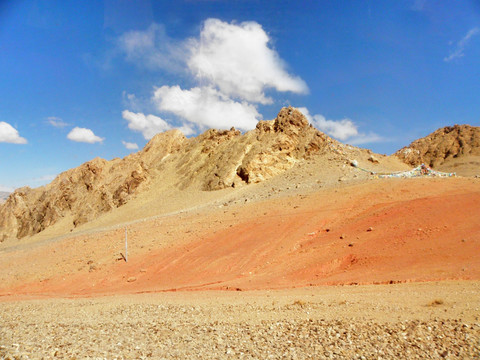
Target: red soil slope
x=377 y=232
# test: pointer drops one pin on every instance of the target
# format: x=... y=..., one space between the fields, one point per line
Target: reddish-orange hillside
x=376 y=232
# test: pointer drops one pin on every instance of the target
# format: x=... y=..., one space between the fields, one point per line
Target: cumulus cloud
x=237 y=59
x=339 y=129
x=56 y=122
x=79 y=134
x=148 y=125
x=153 y=49
x=344 y=130
x=458 y=51
x=8 y=134
x=233 y=66
x=206 y=107
x=129 y=145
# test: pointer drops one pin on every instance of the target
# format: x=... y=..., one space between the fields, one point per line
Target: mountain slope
x=214 y=160
x=452 y=148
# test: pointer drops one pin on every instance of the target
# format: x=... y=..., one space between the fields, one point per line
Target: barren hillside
x=214 y=160
x=452 y=148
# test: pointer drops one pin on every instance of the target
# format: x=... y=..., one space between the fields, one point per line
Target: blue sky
x=81 y=79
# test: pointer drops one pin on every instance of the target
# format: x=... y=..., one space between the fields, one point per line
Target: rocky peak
x=214 y=160
x=445 y=143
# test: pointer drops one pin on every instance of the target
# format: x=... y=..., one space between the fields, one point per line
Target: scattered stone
x=373 y=159
x=343 y=236
x=370 y=229
x=131 y=279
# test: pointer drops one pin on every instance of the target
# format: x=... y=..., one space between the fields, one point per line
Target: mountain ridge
x=214 y=160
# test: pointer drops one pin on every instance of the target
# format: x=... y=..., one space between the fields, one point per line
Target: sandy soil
x=242 y=274
x=422 y=320
x=382 y=231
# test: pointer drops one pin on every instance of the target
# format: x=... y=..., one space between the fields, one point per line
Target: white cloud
x=344 y=130
x=129 y=145
x=148 y=125
x=237 y=60
x=366 y=139
x=153 y=49
x=460 y=47
x=206 y=107
x=9 y=134
x=56 y=122
x=339 y=129
x=83 y=135
x=232 y=64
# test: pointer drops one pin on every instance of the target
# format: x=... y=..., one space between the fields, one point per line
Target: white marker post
x=126 y=245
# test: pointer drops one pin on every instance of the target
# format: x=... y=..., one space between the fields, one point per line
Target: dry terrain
x=263 y=245
x=244 y=277
x=418 y=320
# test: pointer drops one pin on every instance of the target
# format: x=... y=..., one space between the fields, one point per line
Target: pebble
x=171 y=331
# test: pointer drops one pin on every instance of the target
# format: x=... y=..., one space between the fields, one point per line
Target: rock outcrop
x=214 y=160
x=442 y=145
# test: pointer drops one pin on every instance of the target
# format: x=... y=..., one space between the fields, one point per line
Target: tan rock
x=214 y=160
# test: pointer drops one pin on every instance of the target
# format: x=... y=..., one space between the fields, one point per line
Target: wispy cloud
x=153 y=49
x=8 y=134
x=56 y=122
x=345 y=129
x=368 y=138
x=418 y=5
x=84 y=135
x=43 y=179
x=6 y=188
x=458 y=51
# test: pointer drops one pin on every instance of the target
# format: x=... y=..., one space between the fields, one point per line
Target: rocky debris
x=214 y=160
x=164 y=331
x=444 y=144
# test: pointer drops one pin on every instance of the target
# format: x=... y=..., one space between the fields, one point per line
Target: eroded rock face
x=84 y=192
x=441 y=145
x=214 y=160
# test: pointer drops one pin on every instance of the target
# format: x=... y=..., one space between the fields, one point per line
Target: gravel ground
x=295 y=324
